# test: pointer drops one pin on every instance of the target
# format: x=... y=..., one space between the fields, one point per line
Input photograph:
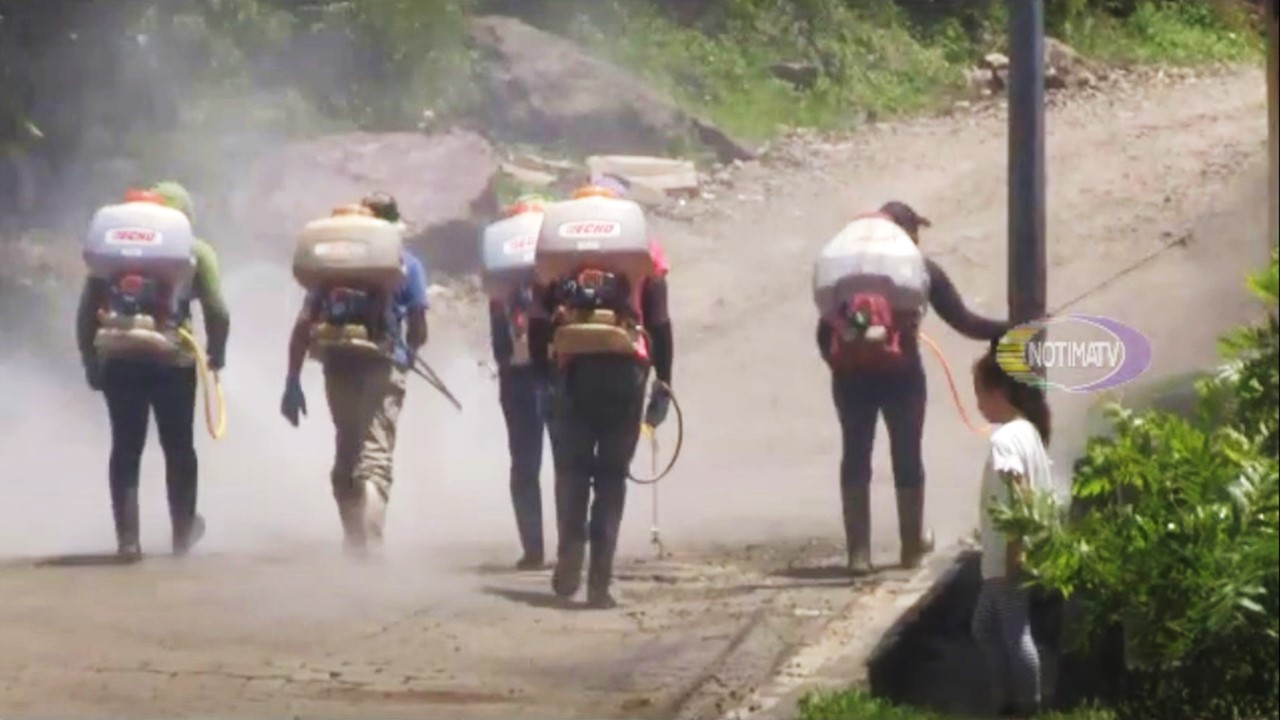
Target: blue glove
x=659 y=404
x=293 y=402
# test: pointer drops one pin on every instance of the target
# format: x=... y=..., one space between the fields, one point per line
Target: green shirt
x=207 y=288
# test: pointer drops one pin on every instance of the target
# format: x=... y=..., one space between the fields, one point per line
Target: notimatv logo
x=590 y=229
x=133 y=236
x=1075 y=353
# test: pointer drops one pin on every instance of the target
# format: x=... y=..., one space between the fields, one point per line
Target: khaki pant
x=365 y=397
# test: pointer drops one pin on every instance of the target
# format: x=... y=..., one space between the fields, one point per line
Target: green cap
x=176 y=197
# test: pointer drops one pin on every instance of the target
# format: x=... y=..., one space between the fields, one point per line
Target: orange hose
x=983 y=430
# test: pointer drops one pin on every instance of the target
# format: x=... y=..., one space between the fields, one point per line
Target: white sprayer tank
x=507 y=249
x=874 y=254
x=141 y=237
x=349 y=250
x=606 y=234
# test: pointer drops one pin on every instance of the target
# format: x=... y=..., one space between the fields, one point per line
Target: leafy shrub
x=1179 y=545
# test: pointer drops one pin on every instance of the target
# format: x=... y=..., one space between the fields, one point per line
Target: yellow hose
x=215 y=407
x=647 y=431
x=982 y=430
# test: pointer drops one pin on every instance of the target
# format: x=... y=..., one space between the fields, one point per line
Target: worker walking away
x=133 y=328
x=364 y=319
x=508 y=253
x=605 y=297
x=872 y=286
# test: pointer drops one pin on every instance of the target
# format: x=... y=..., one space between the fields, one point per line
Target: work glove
x=216 y=361
x=659 y=404
x=93 y=375
x=294 y=402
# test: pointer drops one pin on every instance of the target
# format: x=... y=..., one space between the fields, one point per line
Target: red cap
x=147 y=196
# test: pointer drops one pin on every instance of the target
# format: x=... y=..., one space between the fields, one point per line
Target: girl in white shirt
x=1017 y=461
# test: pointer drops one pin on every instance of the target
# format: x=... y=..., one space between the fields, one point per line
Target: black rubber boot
x=916 y=541
x=124 y=510
x=600 y=577
x=188 y=526
x=526 y=498
x=187 y=534
x=857 y=528
x=567 y=578
x=529 y=562
x=529 y=525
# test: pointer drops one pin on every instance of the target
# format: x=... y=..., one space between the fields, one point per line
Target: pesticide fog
x=264 y=487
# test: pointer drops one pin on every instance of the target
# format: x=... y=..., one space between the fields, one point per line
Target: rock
x=444 y=184
x=1064 y=68
x=981 y=80
x=544 y=89
x=802 y=76
x=1061 y=56
x=1053 y=80
x=551 y=167
x=999 y=80
x=995 y=61
x=527 y=177
x=667 y=175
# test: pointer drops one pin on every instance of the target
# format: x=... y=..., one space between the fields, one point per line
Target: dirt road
x=266 y=622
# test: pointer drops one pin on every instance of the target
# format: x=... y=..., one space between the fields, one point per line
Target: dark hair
x=383 y=206
x=1029 y=400
x=905 y=217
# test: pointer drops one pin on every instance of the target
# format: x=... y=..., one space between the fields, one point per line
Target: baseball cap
x=905 y=216
x=613 y=183
x=176 y=196
x=384 y=207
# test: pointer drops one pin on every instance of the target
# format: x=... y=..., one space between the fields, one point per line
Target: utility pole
x=1273 y=111
x=1027 y=276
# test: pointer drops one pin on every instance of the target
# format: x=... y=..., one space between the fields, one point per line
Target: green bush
x=1178 y=546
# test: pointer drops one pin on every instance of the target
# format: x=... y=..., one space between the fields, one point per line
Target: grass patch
x=1183 y=34
x=858 y=705
x=872 y=63
x=877 y=59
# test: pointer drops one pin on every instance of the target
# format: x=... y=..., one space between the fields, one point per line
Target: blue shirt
x=410 y=297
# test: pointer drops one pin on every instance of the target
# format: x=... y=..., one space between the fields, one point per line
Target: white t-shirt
x=1016 y=447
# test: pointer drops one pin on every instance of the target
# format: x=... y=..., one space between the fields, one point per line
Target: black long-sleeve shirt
x=946 y=300
x=500 y=334
x=655 y=317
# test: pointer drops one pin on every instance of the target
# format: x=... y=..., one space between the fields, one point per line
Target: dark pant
x=524 y=406
x=133 y=390
x=598 y=406
x=859 y=400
